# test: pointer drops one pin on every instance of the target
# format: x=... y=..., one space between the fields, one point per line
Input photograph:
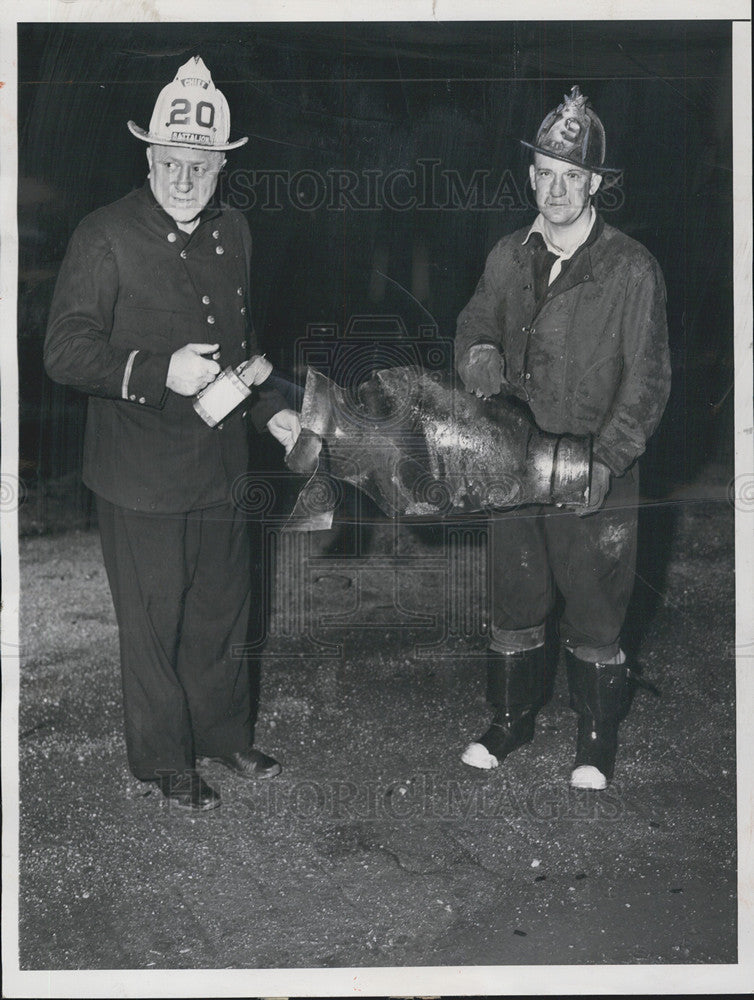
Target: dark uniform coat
x=133 y=289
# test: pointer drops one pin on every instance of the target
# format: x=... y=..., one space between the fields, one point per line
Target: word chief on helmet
x=190 y=112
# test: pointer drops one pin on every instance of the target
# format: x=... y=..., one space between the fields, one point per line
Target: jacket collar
x=577 y=268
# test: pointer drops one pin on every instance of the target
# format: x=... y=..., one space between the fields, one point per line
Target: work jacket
x=590 y=355
x=132 y=289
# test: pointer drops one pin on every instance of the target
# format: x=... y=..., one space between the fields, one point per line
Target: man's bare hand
x=285 y=427
x=598 y=488
x=190 y=371
x=481 y=370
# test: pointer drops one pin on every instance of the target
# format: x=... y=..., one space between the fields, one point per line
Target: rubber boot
x=516 y=688
x=600 y=693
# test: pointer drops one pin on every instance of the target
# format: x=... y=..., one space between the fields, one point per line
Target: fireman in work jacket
x=570 y=317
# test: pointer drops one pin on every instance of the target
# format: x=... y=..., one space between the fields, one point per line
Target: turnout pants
x=590 y=560
x=181 y=589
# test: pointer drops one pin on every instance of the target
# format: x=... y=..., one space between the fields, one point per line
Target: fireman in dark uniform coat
x=570 y=317
x=152 y=299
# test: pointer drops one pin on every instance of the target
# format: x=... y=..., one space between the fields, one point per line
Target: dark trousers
x=590 y=560
x=181 y=589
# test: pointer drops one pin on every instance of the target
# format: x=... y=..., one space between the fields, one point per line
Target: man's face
x=183 y=180
x=562 y=190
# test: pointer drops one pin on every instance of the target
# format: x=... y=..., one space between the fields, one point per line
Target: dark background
x=380 y=97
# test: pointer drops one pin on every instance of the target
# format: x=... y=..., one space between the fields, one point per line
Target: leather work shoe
x=188 y=790
x=250 y=763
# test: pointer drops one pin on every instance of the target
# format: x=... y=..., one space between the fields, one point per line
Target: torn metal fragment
x=420 y=446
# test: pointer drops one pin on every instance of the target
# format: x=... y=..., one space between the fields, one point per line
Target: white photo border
x=441 y=981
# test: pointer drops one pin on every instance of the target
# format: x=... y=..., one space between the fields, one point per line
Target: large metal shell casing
x=418 y=445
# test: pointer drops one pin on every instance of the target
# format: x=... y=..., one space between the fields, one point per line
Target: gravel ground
x=376 y=846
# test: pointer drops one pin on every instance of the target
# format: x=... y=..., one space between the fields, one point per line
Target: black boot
x=600 y=693
x=517 y=687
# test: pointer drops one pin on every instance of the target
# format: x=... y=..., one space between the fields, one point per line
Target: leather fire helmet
x=572 y=132
x=191 y=112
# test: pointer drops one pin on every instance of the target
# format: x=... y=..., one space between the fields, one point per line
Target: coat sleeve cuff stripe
x=127 y=374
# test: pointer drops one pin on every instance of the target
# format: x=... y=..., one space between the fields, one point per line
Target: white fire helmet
x=190 y=112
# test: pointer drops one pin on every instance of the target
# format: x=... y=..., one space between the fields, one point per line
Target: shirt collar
x=538 y=226
x=210 y=211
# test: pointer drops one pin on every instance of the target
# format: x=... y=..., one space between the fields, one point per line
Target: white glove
x=599 y=487
x=285 y=427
